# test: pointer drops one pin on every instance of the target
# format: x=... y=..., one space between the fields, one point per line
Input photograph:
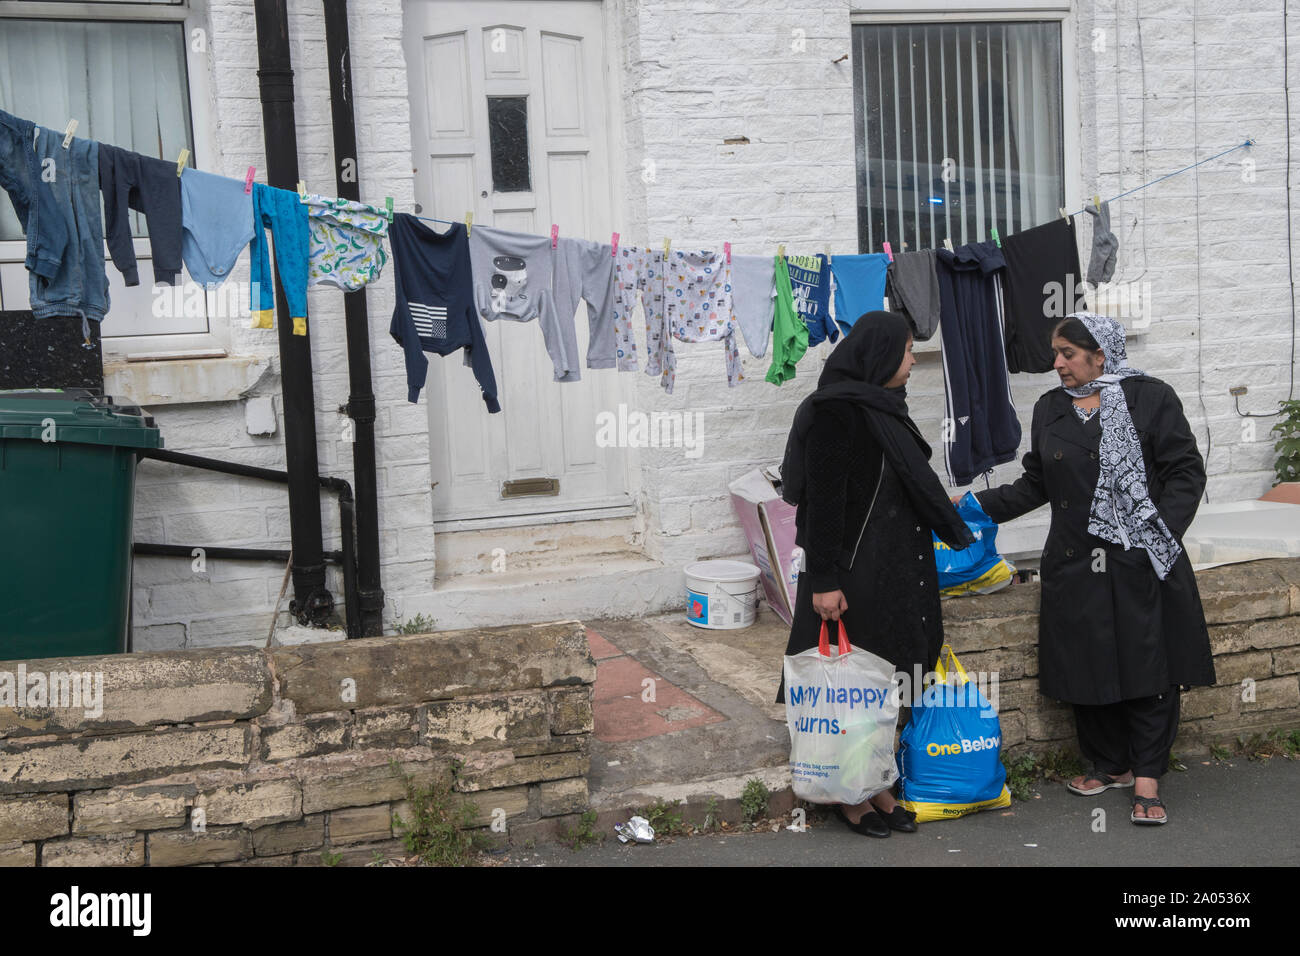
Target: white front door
x=508 y=121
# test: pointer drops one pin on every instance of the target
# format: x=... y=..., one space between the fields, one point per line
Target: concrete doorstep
x=686 y=714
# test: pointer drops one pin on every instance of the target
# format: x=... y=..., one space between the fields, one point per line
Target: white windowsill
x=182 y=381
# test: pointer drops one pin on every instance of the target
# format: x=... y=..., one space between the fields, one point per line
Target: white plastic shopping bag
x=841 y=712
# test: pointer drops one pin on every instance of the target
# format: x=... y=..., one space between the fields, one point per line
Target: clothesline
x=184 y=156
x=1128 y=192
x=1249 y=142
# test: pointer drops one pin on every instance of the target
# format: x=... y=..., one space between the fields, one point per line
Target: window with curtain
x=958 y=131
x=124 y=82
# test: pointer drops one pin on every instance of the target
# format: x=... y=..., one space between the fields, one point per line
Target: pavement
x=687 y=714
x=1238 y=813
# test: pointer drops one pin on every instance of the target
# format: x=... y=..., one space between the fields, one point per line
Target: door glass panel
x=508 y=137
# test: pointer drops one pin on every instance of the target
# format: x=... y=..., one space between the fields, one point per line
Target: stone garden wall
x=1253 y=611
x=281 y=756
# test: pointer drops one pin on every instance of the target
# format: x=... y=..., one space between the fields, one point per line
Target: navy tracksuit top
x=982 y=421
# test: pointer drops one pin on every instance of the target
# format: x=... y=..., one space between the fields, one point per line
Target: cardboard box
x=769 y=527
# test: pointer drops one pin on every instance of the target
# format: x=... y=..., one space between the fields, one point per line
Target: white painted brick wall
x=695 y=79
x=693 y=74
x=174 y=606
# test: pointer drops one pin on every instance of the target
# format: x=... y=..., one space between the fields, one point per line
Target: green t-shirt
x=789 y=333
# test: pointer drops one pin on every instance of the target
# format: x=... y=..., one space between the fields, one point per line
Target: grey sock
x=1105 y=246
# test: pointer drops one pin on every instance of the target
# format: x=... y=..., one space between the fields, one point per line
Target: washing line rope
x=1249 y=142
x=1129 y=192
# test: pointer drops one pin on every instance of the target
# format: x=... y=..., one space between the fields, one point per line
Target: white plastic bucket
x=721 y=595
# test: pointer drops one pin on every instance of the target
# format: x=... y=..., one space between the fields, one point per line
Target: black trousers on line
x=1132 y=735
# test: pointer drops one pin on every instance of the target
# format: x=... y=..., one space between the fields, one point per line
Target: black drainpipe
x=361 y=397
x=312 y=602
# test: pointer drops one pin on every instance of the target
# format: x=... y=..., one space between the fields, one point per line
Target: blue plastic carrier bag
x=949 y=753
x=977 y=568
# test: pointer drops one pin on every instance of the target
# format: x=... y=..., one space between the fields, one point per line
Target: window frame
x=192 y=14
x=880 y=12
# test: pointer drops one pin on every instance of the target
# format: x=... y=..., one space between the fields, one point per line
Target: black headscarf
x=857 y=371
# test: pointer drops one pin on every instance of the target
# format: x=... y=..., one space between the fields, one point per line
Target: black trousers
x=1132 y=735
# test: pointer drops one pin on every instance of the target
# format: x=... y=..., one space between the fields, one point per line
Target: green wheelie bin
x=67 y=488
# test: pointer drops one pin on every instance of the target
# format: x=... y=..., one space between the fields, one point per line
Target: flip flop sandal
x=1147 y=804
x=1107 y=783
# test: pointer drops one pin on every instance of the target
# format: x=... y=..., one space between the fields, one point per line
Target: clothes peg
x=903 y=245
x=180 y=162
x=469 y=223
x=947 y=243
x=726 y=249
x=1061 y=210
x=889 y=252
x=1096 y=201
x=67 y=133
x=996 y=240
x=555 y=235
x=780 y=251
x=388 y=207
x=302 y=189
x=613 y=241
x=248 y=180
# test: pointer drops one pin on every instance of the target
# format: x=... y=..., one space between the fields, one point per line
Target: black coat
x=861 y=535
x=1109 y=628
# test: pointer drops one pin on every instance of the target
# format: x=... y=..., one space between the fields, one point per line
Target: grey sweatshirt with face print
x=513 y=274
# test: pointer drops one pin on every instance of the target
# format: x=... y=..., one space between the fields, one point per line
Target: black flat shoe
x=900 y=819
x=870 y=825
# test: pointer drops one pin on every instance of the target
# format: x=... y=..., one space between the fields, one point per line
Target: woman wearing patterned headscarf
x=1121 y=627
x=858 y=470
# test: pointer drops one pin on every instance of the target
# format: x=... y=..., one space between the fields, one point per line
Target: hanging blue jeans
x=79 y=285
x=20 y=177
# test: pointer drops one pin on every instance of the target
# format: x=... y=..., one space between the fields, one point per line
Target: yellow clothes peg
x=180 y=162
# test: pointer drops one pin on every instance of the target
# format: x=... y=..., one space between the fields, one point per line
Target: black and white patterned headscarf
x=1122 y=511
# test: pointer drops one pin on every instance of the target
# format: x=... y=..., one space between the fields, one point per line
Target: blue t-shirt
x=859 y=286
x=810 y=284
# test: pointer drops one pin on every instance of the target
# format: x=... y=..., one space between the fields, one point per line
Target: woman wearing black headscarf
x=857 y=468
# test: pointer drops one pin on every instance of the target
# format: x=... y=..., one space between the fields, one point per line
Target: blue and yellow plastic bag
x=948 y=755
x=978 y=568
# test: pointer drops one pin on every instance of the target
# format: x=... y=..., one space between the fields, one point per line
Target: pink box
x=769 y=527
